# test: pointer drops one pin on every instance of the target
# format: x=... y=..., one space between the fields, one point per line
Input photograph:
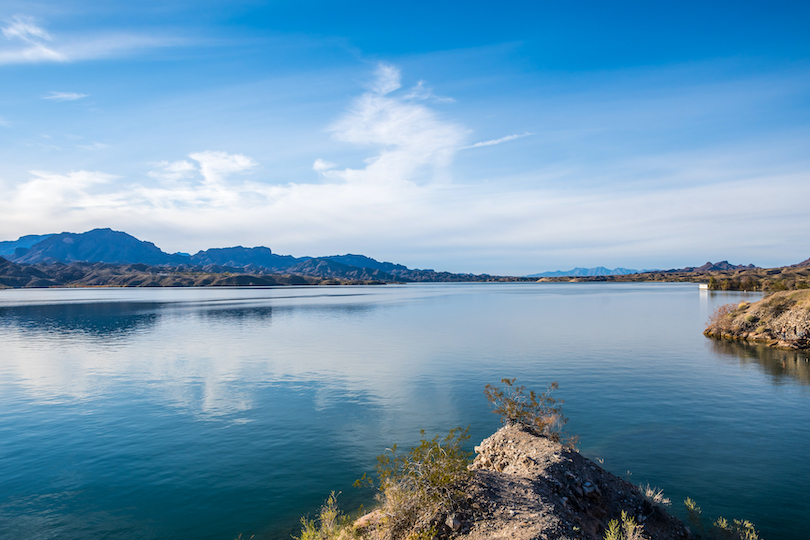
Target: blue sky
x=470 y=137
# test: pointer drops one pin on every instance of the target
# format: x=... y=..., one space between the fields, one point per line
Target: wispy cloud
x=173 y=171
x=215 y=166
x=25 y=29
x=321 y=165
x=28 y=42
x=388 y=79
x=65 y=96
x=93 y=146
x=498 y=141
x=422 y=91
x=413 y=144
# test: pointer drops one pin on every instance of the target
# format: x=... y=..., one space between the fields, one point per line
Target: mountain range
x=715 y=267
x=105 y=256
x=106 y=246
x=598 y=271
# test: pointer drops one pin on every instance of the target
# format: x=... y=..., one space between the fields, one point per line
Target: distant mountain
x=803 y=264
x=715 y=267
x=98 y=245
x=361 y=261
x=24 y=242
x=64 y=258
x=598 y=271
x=242 y=257
x=326 y=267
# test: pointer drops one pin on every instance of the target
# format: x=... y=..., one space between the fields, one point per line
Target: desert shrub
x=654 y=495
x=627 y=530
x=721 y=528
x=778 y=305
x=540 y=413
x=421 y=483
x=722 y=317
x=749 y=283
x=777 y=285
x=330 y=524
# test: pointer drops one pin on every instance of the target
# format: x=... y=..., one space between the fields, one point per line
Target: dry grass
x=654 y=494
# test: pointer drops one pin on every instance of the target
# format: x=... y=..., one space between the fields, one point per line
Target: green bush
x=541 y=413
x=330 y=524
x=627 y=530
x=421 y=483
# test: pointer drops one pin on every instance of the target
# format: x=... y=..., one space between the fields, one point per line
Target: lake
x=209 y=413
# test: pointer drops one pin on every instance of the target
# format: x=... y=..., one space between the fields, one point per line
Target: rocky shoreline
x=780 y=320
x=526 y=487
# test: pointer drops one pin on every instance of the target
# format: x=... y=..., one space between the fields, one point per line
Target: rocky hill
x=722 y=266
x=84 y=274
x=781 y=320
x=527 y=487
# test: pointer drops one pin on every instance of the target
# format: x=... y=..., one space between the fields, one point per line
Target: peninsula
x=780 y=320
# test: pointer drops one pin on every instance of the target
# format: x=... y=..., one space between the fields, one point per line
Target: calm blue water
x=206 y=413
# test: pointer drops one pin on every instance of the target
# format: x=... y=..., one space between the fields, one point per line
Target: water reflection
x=777 y=363
x=192 y=413
x=115 y=320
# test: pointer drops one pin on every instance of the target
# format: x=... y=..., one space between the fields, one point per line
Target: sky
x=506 y=138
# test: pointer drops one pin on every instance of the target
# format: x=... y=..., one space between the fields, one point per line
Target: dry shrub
x=722 y=317
x=654 y=494
x=540 y=413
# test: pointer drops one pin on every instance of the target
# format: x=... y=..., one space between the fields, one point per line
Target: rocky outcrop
x=781 y=320
x=526 y=487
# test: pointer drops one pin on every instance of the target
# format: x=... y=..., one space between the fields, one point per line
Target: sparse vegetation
x=627 y=530
x=722 y=317
x=721 y=528
x=541 y=413
x=330 y=524
x=781 y=319
x=654 y=494
x=424 y=482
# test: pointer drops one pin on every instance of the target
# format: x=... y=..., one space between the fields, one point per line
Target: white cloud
x=321 y=165
x=93 y=146
x=498 y=141
x=215 y=189
x=174 y=171
x=30 y=43
x=422 y=92
x=413 y=144
x=24 y=28
x=65 y=96
x=388 y=79
x=215 y=166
